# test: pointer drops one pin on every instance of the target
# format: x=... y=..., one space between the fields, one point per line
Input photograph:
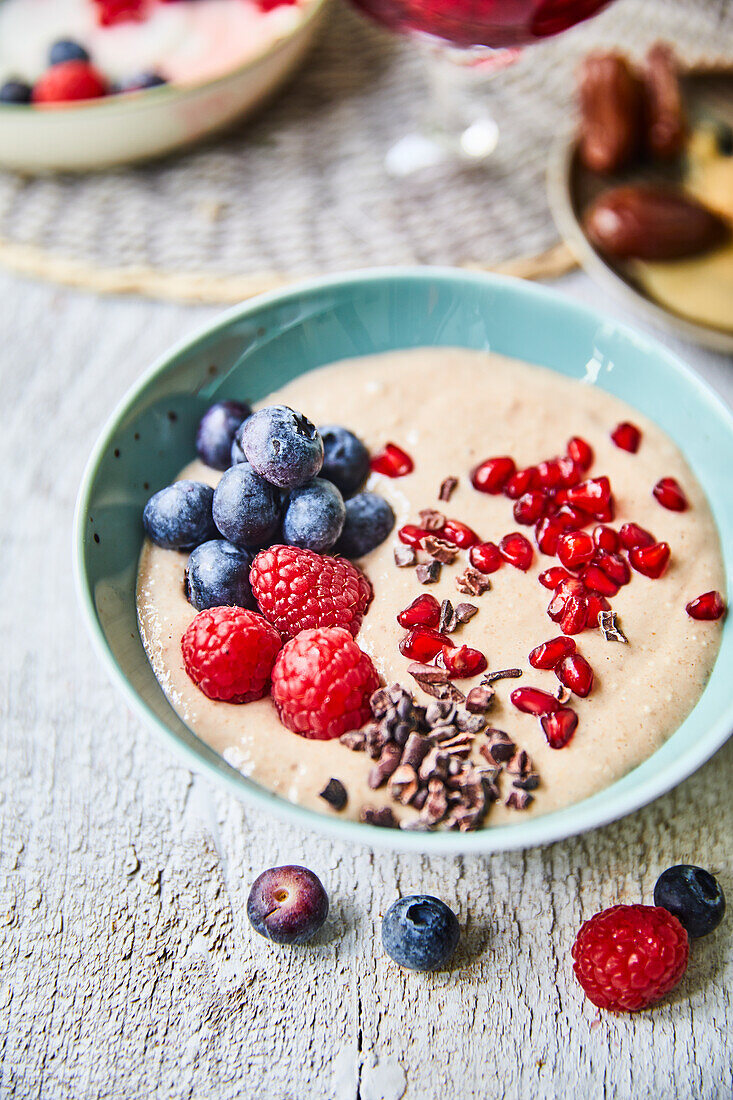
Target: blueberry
x=246 y=508
x=217 y=575
x=287 y=904
x=141 y=81
x=314 y=516
x=345 y=459
x=216 y=432
x=66 y=50
x=179 y=516
x=420 y=932
x=282 y=446
x=15 y=91
x=693 y=896
x=237 y=454
x=369 y=519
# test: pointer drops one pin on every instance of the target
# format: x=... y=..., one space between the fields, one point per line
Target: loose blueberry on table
x=420 y=932
x=287 y=905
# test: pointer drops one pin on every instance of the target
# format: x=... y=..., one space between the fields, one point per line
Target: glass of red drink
x=467 y=41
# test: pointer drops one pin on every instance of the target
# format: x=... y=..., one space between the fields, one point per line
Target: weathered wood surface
x=127 y=968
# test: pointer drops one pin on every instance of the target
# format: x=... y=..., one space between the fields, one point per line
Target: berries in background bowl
x=216 y=432
x=287 y=905
x=345 y=459
x=69 y=81
x=298 y=589
x=229 y=652
x=322 y=683
x=65 y=49
x=628 y=957
x=420 y=932
x=16 y=92
x=694 y=896
x=282 y=446
x=368 y=521
x=217 y=575
x=179 y=517
x=141 y=81
x=246 y=507
x=314 y=516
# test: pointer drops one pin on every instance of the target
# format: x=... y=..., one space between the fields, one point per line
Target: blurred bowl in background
x=120 y=129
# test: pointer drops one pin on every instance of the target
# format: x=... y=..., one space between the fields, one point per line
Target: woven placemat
x=302 y=189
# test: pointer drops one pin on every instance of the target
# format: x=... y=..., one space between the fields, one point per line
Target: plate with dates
x=610 y=217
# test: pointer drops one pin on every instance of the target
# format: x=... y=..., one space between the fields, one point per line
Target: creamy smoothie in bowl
x=445 y=606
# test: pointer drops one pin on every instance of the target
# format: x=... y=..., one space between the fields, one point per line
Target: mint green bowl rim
x=600 y=809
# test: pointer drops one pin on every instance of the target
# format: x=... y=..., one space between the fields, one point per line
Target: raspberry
x=298 y=589
x=69 y=80
x=110 y=12
x=229 y=652
x=629 y=956
x=322 y=682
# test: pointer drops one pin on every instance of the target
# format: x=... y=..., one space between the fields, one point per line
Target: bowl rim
x=147 y=97
x=544 y=829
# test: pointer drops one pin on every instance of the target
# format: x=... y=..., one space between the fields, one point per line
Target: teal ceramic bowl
x=259 y=346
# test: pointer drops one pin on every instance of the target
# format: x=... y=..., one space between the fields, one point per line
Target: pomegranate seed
x=627 y=437
x=571 y=472
x=392 y=462
x=708 y=607
x=614 y=566
x=530 y=507
x=517 y=550
x=549 y=474
x=605 y=538
x=670 y=494
x=485 y=557
x=596 y=604
x=424 y=611
x=631 y=535
x=492 y=475
x=546 y=534
x=597 y=581
x=575 y=616
x=563 y=592
x=551 y=653
x=575 y=673
x=650 y=560
x=462 y=661
x=460 y=534
x=593 y=496
x=572 y=518
x=559 y=727
x=422 y=644
x=520 y=482
x=551 y=578
x=412 y=535
x=534 y=701
x=575 y=549
x=580 y=452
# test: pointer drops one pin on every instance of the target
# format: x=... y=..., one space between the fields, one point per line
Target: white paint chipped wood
x=127 y=967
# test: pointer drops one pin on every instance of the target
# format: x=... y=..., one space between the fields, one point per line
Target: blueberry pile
x=283 y=481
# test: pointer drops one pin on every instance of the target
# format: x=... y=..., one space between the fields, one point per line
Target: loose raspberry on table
x=298 y=589
x=629 y=956
x=229 y=651
x=322 y=683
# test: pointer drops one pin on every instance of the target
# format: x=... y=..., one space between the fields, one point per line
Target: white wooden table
x=127 y=966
